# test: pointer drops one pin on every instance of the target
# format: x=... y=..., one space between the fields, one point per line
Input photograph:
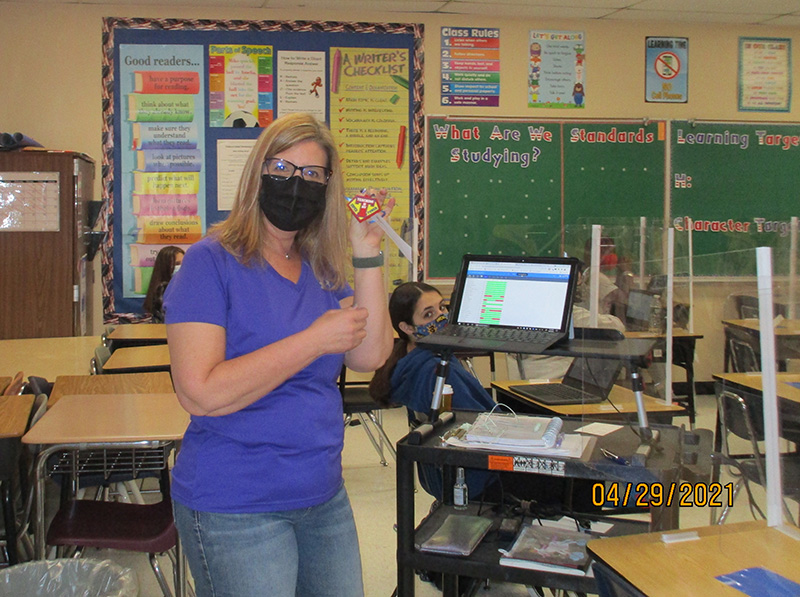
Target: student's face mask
x=292 y=203
x=176 y=268
x=431 y=327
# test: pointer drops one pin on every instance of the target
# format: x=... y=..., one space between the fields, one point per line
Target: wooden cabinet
x=44 y=275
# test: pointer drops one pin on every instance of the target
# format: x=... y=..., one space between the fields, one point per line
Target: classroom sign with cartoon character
x=556 y=69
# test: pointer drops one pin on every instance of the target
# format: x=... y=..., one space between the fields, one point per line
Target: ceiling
x=751 y=12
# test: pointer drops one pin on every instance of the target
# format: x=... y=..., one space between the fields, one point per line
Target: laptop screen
x=595 y=376
x=640 y=305
x=523 y=292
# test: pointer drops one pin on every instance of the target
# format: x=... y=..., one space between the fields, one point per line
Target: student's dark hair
x=402 y=304
x=162 y=273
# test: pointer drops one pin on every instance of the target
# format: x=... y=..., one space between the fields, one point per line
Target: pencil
x=401 y=145
x=337 y=66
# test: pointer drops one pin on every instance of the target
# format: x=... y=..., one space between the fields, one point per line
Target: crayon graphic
x=337 y=66
x=400 y=80
x=401 y=146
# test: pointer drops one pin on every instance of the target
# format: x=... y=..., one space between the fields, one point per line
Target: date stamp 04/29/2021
x=656 y=495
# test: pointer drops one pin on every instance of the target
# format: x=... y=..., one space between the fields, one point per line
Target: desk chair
x=27 y=462
x=9 y=464
x=101 y=355
x=744 y=419
x=145 y=528
x=743 y=356
x=356 y=400
x=106 y=340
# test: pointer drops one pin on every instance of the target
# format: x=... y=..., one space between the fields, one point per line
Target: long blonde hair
x=324 y=242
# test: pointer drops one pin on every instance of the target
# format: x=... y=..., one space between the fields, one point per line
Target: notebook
x=586 y=381
x=509 y=429
x=509 y=304
x=641 y=304
x=459 y=535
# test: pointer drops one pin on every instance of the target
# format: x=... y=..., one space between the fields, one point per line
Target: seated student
x=409 y=375
x=553 y=367
x=608 y=296
x=168 y=262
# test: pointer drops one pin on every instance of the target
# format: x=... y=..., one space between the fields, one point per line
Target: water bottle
x=460 y=491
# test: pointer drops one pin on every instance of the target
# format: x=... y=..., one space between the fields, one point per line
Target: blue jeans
x=310 y=552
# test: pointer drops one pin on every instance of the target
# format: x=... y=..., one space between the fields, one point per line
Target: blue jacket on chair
x=413 y=381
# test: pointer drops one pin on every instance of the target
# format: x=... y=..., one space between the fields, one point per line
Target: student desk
x=100 y=422
x=138 y=359
x=663 y=466
x=14 y=414
x=683 y=350
x=49 y=357
x=689 y=568
x=787 y=339
x=155 y=382
x=138 y=334
x=620 y=397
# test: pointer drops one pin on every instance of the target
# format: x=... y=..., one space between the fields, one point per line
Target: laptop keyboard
x=494 y=333
x=556 y=393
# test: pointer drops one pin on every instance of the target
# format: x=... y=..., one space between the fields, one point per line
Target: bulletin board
x=184 y=100
x=735 y=185
x=512 y=185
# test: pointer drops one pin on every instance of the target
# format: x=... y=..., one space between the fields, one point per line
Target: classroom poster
x=470 y=66
x=163 y=190
x=667 y=69
x=301 y=86
x=240 y=85
x=556 y=69
x=765 y=67
x=369 y=120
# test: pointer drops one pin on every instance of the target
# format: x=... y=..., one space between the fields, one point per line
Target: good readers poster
x=162 y=151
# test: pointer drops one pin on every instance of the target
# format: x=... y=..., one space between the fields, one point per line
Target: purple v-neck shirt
x=283 y=451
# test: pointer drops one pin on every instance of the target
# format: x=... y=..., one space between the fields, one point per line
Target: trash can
x=69 y=578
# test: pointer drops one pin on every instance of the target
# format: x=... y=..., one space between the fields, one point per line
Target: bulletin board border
x=110 y=88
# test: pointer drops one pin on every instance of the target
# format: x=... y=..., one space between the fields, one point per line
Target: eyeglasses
x=280 y=168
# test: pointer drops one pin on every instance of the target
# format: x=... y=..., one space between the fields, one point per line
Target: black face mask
x=292 y=203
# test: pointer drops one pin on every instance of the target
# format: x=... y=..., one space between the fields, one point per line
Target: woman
x=409 y=375
x=168 y=261
x=259 y=322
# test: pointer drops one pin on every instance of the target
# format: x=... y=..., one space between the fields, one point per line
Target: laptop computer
x=509 y=304
x=641 y=304
x=586 y=381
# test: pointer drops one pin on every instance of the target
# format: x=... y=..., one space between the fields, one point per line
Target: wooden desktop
x=690 y=567
x=138 y=359
x=153 y=382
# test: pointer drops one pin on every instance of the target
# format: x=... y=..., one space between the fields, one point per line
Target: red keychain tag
x=363 y=207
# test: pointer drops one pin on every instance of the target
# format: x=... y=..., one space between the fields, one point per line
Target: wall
x=51 y=88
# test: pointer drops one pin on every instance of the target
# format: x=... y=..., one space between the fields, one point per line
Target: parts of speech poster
x=162 y=137
x=241 y=82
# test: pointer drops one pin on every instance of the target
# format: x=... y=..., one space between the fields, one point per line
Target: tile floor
x=372 y=491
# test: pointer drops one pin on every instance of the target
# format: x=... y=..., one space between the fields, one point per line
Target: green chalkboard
x=511 y=186
x=736 y=185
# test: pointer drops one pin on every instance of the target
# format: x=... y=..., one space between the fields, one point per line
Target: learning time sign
x=666 y=69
